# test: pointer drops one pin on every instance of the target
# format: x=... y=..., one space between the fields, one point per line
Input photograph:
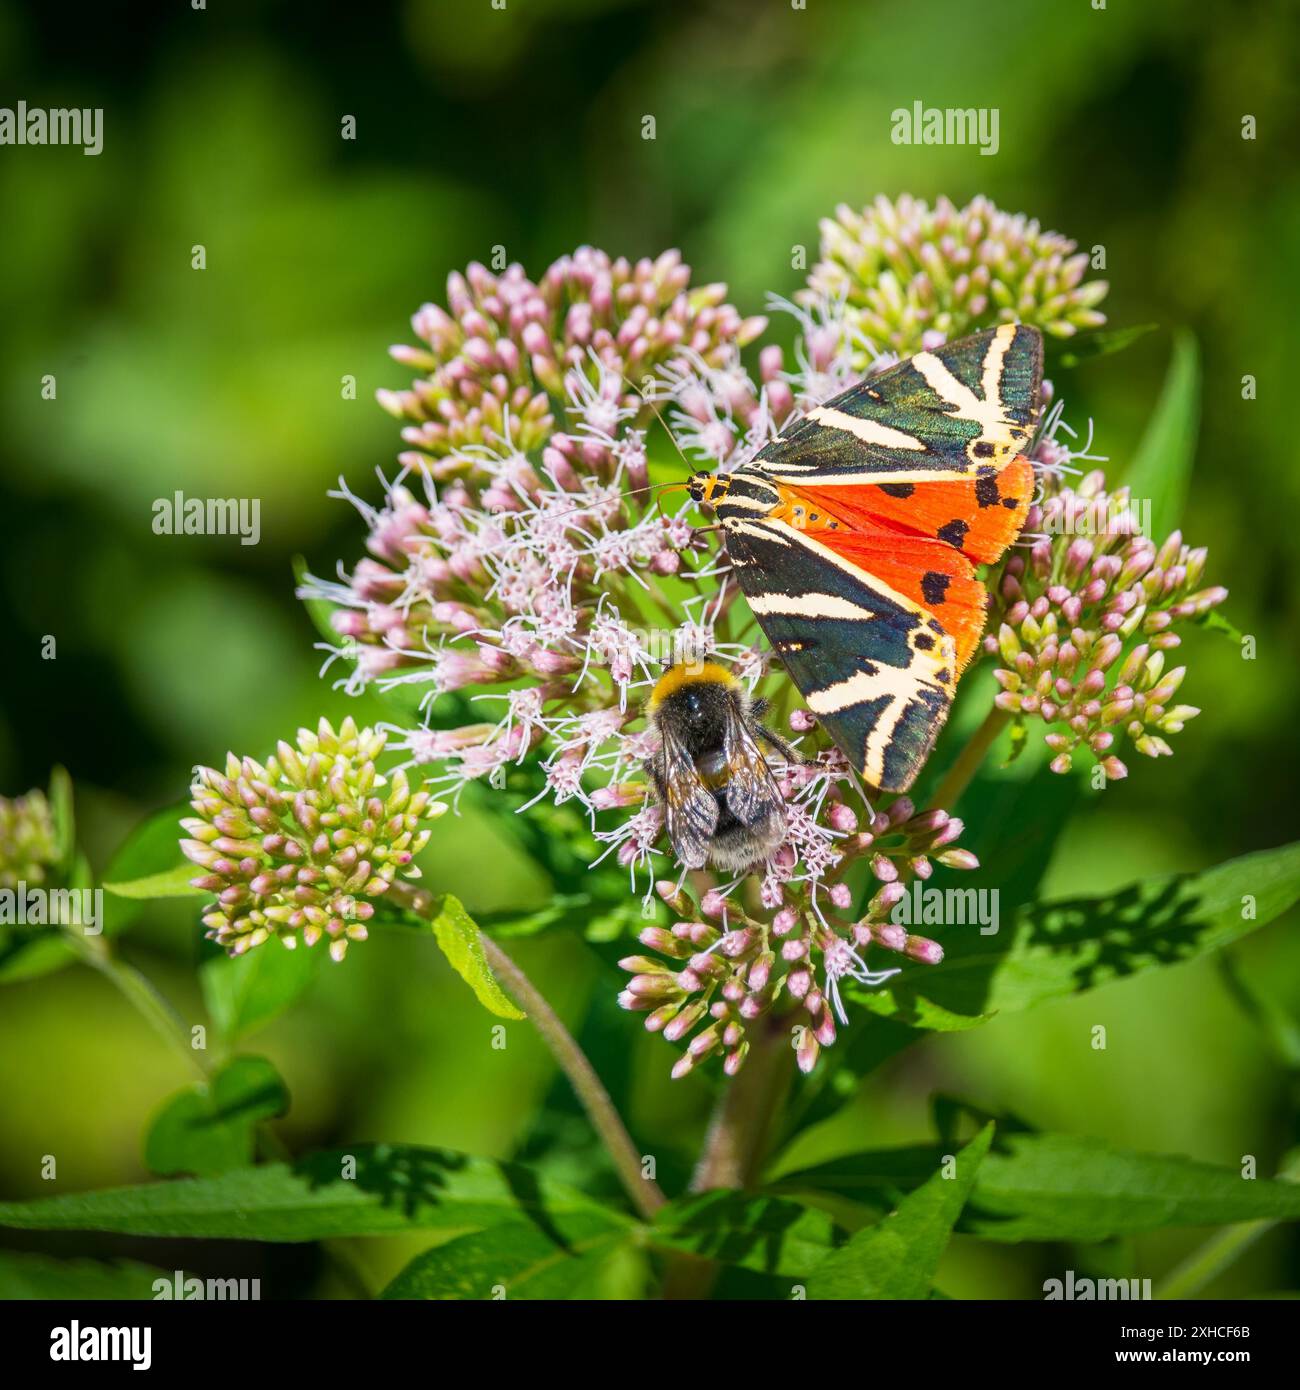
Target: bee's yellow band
x=677 y=676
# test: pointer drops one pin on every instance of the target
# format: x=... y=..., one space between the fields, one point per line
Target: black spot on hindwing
x=954 y=532
x=934 y=587
x=986 y=492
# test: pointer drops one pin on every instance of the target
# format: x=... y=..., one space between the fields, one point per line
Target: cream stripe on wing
x=894 y=681
x=811 y=605
x=747 y=504
x=993 y=360
x=898 y=685
x=925 y=666
x=869 y=431
x=986 y=413
x=771 y=529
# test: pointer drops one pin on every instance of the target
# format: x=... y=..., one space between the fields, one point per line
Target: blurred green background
x=1119 y=127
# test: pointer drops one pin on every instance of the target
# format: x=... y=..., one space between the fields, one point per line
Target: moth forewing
x=855 y=534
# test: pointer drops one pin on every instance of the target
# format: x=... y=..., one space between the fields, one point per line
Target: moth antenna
x=630 y=492
x=653 y=403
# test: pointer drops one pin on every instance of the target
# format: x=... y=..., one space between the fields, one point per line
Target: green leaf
x=211 y=1127
x=26 y=1275
x=1012 y=824
x=899 y=1257
x=458 y=936
x=1056 y=1187
x=1214 y=621
x=1274 y=1022
x=318 y=609
x=1019 y=736
x=172 y=883
x=1067 y=947
x=150 y=851
x=763 y=1233
x=570 y=1257
x=1162 y=465
x=916 y=1011
x=367 y=1190
x=152 y=847
x=1085 y=347
x=873 y=1182
x=244 y=993
x=61 y=811
x=28 y=955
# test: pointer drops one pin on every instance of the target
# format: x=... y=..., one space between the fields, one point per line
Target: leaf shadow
x=734 y=1228
x=1088 y=941
x=265 y=1101
x=405 y=1176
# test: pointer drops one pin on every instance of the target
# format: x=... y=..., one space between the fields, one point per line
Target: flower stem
x=140 y=992
x=743 y=1120
x=959 y=775
x=1210 y=1259
x=1222 y=1249
x=736 y=1143
x=645 y=1192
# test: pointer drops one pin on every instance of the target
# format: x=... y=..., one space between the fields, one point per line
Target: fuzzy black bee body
x=721 y=802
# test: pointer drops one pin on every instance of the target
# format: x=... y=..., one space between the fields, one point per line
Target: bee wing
x=690 y=808
x=752 y=793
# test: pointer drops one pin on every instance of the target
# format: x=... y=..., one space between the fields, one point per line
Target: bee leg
x=758 y=708
x=787 y=750
x=657 y=782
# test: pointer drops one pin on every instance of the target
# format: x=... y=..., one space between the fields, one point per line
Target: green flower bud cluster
x=300 y=847
x=905 y=269
x=27 y=843
x=1085 y=622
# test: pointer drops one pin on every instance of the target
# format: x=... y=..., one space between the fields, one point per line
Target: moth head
x=708 y=488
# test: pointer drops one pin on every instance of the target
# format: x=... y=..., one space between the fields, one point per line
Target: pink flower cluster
x=521 y=562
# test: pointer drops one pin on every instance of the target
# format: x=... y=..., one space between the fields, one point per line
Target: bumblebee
x=720 y=800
